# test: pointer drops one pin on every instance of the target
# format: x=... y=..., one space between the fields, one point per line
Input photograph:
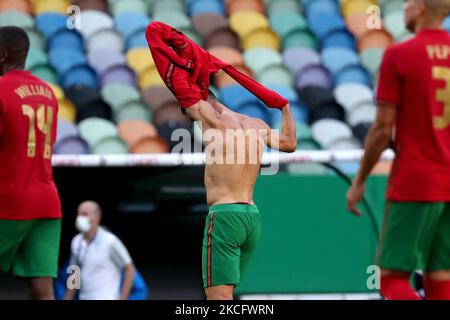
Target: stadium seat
x=336 y=58
x=16 y=5
x=118 y=74
x=245 y=22
x=157 y=96
x=37 y=40
x=129 y=23
x=117 y=95
x=248 y=5
x=105 y=39
x=103 y=59
x=35 y=57
x=92 y=21
x=132 y=131
x=297 y=59
x=50 y=23
x=350 y=95
x=110 y=145
x=66 y=39
x=81 y=74
x=45 y=72
x=206 y=23
x=150 y=145
x=263 y=37
x=72 y=146
x=275 y=75
x=299 y=38
x=235 y=96
x=15 y=18
x=93 y=130
x=327 y=131
x=132 y=110
x=315 y=75
x=63 y=59
x=134 y=6
x=54 y=6
x=259 y=59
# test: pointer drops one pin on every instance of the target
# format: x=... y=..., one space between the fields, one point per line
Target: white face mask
x=83 y=224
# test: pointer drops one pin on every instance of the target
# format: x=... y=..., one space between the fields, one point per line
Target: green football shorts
x=231 y=234
x=30 y=248
x=415 y=235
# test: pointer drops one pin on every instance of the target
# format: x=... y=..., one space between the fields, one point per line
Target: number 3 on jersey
x=44 y=117
x=442 y=95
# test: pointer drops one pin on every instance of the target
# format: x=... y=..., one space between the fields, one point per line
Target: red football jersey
x=415 y=77
x=28 y=124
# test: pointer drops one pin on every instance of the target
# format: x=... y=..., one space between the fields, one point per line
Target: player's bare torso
x=233 y=158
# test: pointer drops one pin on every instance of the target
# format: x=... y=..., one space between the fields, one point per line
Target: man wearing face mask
x=101 y=257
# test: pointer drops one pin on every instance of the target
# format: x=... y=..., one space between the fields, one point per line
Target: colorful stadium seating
x=320 y=54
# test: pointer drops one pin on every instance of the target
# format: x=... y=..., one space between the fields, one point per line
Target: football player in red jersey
x=30 y=209
x=414 y=98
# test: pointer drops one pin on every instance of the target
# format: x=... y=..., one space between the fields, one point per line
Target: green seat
x=15 y=18
x=111 y=145
x=392 y=5
x=259 y=59
x=299 y=39
x=286 y=22
x=394 y=22
x=308 y=144
x=169 y=5
x=175 y=19
x=276 y=75
x=134 y=110
x=93 y=130
x=371 y=59
x=35 y=58
x=45 y=72
x=136 y=6
x=37 y=40
x=194 y=36
x=284 y=6
x=116 y=95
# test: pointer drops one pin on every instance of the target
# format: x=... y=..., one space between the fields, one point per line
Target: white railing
x=198 y=159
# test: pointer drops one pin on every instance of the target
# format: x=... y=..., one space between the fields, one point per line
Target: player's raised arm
x=284 y=140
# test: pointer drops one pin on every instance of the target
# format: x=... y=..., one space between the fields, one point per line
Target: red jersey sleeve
x=389 y=80
x=161 y=37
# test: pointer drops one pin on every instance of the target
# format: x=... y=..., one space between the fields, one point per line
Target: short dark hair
x=15 y=42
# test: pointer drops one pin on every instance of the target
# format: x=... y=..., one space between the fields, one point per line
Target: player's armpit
x=279 y=141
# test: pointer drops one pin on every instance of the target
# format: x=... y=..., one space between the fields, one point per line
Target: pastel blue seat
x=66 y=38
x=129 y=23
x=62 y=59
x=80 y=75
x=353 y=74
x=49 y=23
x=336 y=59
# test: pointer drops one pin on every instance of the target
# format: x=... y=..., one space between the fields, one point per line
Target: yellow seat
x=360 y=6
x=59 y=93
x=245 y=22
x=149 y=78
x=43 y=6
x=139 y=59
x=67 y=110
x=263 y=37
